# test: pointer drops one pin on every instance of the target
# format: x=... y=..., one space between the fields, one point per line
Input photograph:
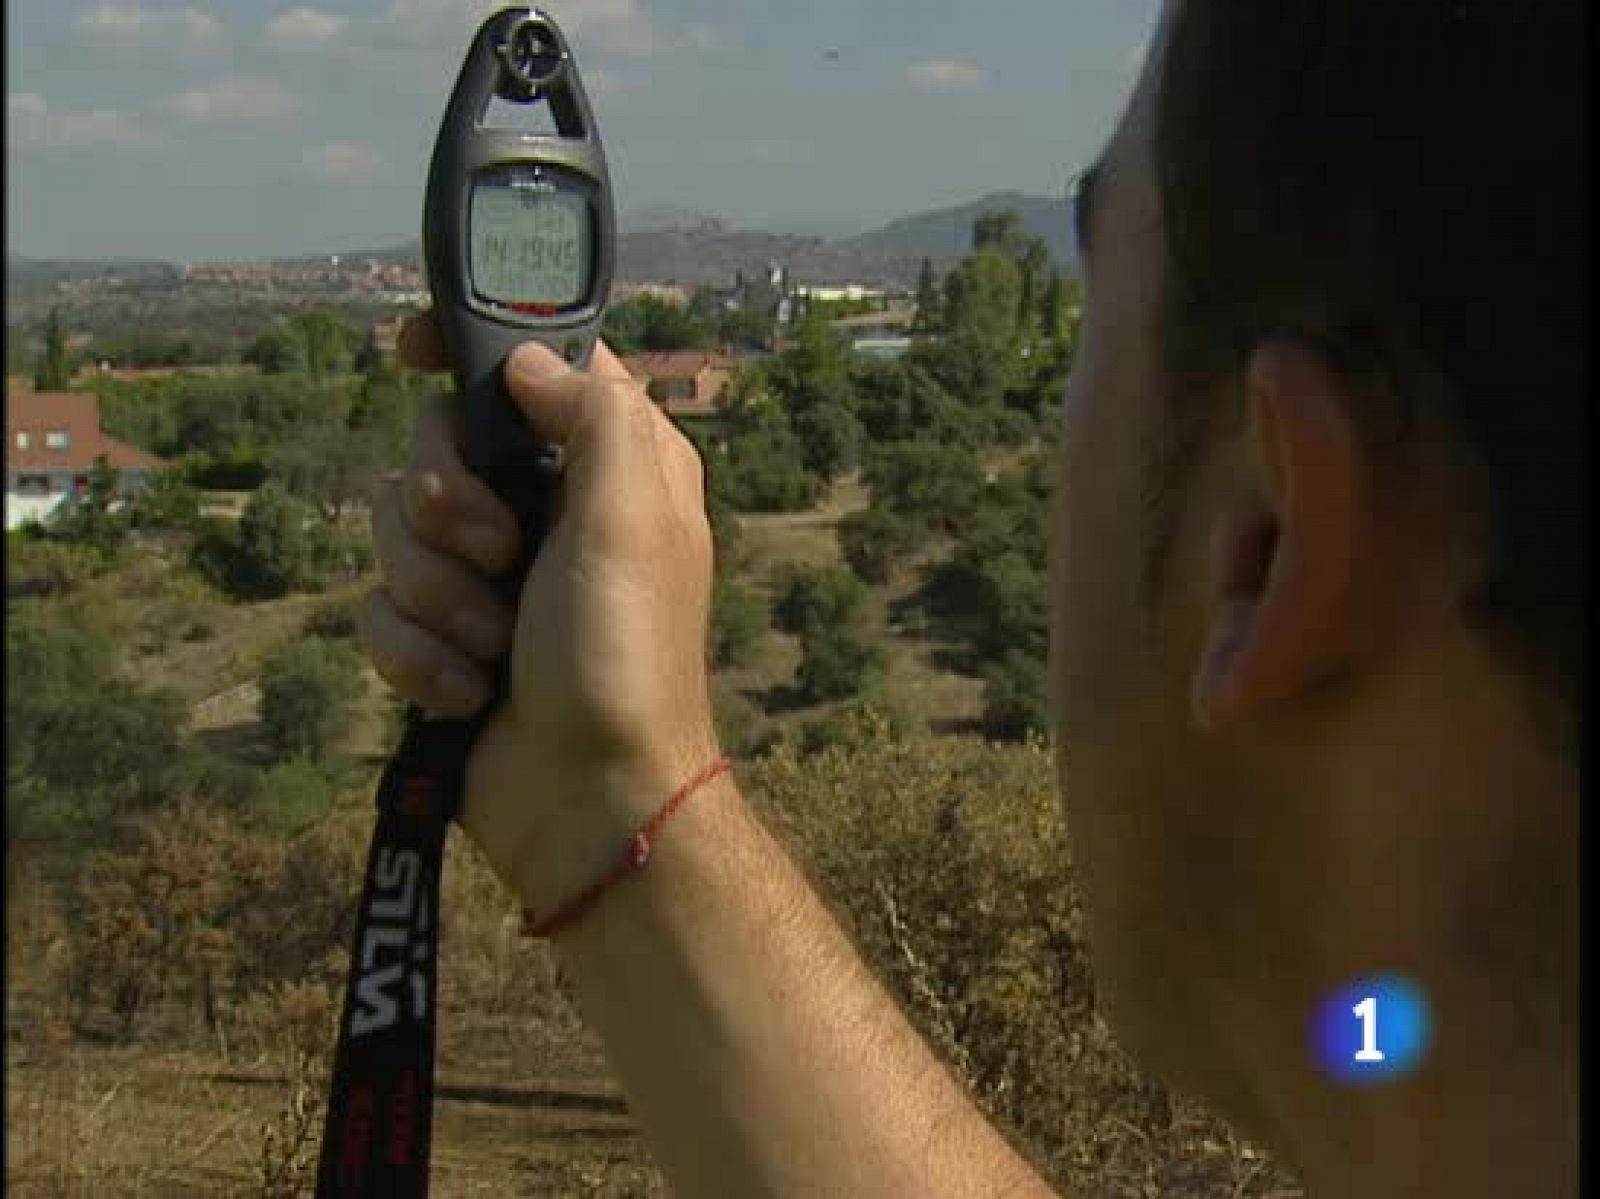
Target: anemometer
x=518 y=239
x=519 y=230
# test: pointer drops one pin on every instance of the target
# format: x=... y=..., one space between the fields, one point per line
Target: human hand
x=609 y=708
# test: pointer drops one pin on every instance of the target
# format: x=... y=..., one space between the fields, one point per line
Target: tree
x=830 y=439
x=88 y=519
x=277 y=351
x=838 y=662
x=815 y=371
x=873 y=540
x=1000 y=230
x=930 y=308
x=166 y=501
x=308 y=691
x=647 y=323
x=979 y=358
x=326 y=340
x=273 y=552
x=938 y=486
x=87 y=748
x=53 y=373
x=1015 y=697
x=811 y=598
x=738 y=619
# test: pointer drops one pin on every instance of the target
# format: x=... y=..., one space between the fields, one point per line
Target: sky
x=201 y=129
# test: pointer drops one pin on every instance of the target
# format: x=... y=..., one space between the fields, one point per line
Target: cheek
x=1094 y=540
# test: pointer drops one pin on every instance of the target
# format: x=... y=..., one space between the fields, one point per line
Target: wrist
x=576 y=822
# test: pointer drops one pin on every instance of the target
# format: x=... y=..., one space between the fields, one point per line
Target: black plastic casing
x=479 y=335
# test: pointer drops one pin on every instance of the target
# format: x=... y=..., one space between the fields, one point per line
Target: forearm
x=757 y=1051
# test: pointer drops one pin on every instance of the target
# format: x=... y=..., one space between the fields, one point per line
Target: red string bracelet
x=633 y=858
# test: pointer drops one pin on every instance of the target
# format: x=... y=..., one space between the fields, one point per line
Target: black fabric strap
x=378 y=1131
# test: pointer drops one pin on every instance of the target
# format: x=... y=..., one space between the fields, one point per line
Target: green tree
x=830 y=439
x=308 y=691
x=936 y=485
x=999 y=229
x=979 y=357
x=815 y=371
x=85 y=748
x=873 y=540
x=761 y=466
x=647 y=323
x=738 y=620
x=274 y=551
x=813 y=598
x=327 y=341
x=277 y=351
x=930 y=307
x=166 y=501
x=89 y=519
x=839 y=662
x=54 y=373
x=1015 y=697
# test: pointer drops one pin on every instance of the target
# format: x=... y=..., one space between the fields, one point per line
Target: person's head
x=1321 y=536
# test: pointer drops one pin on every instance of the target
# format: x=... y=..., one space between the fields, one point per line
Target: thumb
x=555 y=398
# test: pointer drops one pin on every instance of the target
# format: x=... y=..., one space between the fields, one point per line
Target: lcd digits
x=529 y=247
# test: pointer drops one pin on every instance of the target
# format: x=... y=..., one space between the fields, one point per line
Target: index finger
x=419 y=345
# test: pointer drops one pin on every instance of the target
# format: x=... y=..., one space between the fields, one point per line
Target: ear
x=1279 y=603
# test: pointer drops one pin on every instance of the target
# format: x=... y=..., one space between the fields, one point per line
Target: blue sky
x=191 y=129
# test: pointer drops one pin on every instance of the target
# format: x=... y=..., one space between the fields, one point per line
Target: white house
x=53 y=439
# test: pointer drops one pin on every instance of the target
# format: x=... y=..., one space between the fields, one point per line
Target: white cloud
x=121 y=25
x=342 y=162
x=238 y=101
x=945 y=74
x=31 y=124
x=302 y=28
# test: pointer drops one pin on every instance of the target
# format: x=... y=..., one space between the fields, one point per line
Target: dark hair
x=1405 y=185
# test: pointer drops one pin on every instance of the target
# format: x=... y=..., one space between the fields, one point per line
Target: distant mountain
x=664 y=244
x=945 y=234
x=649 y=217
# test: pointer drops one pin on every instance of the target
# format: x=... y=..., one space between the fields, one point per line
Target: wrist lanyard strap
x=378 y=1130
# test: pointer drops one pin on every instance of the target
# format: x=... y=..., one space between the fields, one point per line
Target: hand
x=609 y=708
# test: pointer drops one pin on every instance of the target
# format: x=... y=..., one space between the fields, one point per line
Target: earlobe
x=1283 y=558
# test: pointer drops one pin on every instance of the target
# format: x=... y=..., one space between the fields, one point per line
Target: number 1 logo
x=1371 y=1030
x=1367 y=1012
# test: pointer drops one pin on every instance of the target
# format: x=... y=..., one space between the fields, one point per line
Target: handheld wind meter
x=519 y=231
x=518 y=237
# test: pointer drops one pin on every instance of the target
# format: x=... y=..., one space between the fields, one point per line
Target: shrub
x=742 y=726
x=873 y=540
x=938 y=485
x=85 y=748
x=336 y=620
x=308 y=691
x=817 y=597
x=39 y=567
x=1015 y=697
x=838 y=662
x=738 y=620
x=294 y=796
x=168 y=501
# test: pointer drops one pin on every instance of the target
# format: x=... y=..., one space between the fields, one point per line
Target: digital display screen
x=529 y=247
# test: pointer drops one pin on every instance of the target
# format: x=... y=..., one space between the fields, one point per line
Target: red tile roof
x=75 y=413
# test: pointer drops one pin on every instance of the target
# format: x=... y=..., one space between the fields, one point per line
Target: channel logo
x=1372 y=1030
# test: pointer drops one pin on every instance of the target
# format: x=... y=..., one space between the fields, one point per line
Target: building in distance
x=53 y=440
